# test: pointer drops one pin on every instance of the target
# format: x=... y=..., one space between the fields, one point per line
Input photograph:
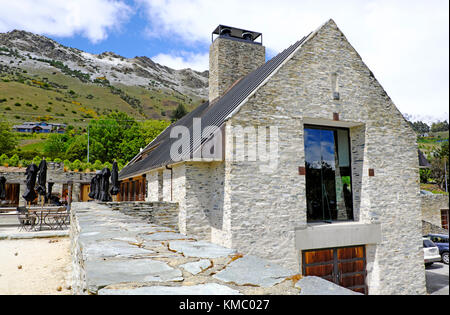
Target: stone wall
x=159 y=213
x=230 y=60
x=55 y=174
x=432 y=206
x=266 y=208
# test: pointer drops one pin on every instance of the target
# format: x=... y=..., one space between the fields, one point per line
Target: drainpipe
x=171 y=182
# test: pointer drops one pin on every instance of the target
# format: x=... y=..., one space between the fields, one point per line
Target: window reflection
x=328 y=174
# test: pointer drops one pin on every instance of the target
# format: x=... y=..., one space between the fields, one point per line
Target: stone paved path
x=119 y=254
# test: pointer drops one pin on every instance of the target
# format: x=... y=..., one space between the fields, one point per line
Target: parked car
x=441 y=241
x=431 y=252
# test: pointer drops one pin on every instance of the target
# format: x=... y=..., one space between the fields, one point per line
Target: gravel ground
x=35 y=267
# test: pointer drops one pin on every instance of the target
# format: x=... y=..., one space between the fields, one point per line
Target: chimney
x=233 y=54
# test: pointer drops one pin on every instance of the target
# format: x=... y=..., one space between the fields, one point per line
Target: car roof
x=440 y=235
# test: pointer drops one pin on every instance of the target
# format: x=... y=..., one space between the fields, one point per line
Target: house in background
x=332 y=189
x=40 y=127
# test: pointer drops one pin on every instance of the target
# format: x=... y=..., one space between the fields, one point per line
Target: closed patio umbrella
x=92 y=188
x=104 y=185
x=42 y=178
x=98 y=179
x=2 y=188
x=115 y=189
x=31 y=173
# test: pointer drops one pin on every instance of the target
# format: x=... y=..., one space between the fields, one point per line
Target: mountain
x=41 y=79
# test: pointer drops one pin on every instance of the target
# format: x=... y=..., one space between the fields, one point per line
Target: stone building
x=303 y=160
x=435 y=213
x=64 y=183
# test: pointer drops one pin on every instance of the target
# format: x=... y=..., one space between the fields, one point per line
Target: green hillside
x=43 y=95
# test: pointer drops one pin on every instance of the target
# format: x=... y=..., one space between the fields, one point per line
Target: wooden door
x=85 y=190
x=344 y=266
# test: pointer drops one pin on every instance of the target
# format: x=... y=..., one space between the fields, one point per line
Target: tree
x=179 y=113
x=116 y=136
x=152 y=128
x=57 y=145
x=440 y=164
x=77 y=150
x=8 y=140
x=439 y=126
x=420 y=127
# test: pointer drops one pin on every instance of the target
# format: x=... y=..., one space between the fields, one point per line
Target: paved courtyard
x=437 y=279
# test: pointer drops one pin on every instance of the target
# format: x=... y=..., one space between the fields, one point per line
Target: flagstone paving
x=114 y=253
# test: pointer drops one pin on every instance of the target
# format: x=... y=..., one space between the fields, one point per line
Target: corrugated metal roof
x=157 y=153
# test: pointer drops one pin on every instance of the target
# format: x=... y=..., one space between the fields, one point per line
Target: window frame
x=333 y=128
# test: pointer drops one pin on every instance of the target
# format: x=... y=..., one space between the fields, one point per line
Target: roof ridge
x=213 y=115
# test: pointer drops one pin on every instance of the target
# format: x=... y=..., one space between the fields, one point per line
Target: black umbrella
x=115 y=189
x=31 y=173
x=104 y=185
x=2 y=188
x=42 y=178
x=98 y=179
x=93 y=187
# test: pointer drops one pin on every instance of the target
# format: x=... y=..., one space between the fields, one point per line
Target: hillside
x=41 y=79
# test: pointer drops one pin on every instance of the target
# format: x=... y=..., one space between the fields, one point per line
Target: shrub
x=88 y=167
x=97 y=165
x=24 y=163
x=76 y=165
x=57 y=160
x=37 y=159
x=14 y=160
x=3 y=159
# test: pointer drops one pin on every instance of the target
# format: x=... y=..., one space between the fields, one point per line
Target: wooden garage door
x=344 y=266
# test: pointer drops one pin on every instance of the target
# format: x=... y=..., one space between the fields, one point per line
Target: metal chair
x=27 y=221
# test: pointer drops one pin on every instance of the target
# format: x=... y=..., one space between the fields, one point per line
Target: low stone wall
x=432 y=206
x=159 y=213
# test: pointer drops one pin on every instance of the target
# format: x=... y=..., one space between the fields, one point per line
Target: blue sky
x=404 y=42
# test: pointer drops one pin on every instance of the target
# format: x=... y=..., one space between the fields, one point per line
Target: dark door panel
x=344 y=266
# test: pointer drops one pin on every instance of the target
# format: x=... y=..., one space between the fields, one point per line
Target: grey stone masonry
x=229 y=61
x=117 y=254
x=261 y=210
x=159 y=213
x=432 y=206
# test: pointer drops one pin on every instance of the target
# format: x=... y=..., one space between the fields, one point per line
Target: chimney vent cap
x=237 y=33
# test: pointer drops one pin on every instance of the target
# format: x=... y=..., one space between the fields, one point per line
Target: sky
x=404 y=42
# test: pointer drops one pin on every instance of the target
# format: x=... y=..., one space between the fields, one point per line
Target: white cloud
x=405 y=43
x=183 y=60
x=89 y=18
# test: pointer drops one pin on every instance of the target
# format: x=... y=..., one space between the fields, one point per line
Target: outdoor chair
x=57 y=220
x=27 y=221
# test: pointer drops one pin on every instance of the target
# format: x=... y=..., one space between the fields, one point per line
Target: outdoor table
x=41 y=213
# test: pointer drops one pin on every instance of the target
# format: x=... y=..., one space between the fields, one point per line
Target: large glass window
x=328 y=174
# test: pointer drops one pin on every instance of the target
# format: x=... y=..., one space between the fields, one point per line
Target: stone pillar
x=76 y=192
x=167 y=185
x=57 y=190
x=160 y=186
x=152 y=194
x=23 y=188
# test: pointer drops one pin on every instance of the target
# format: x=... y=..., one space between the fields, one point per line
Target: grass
x=433 y=188
x=52 y=95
